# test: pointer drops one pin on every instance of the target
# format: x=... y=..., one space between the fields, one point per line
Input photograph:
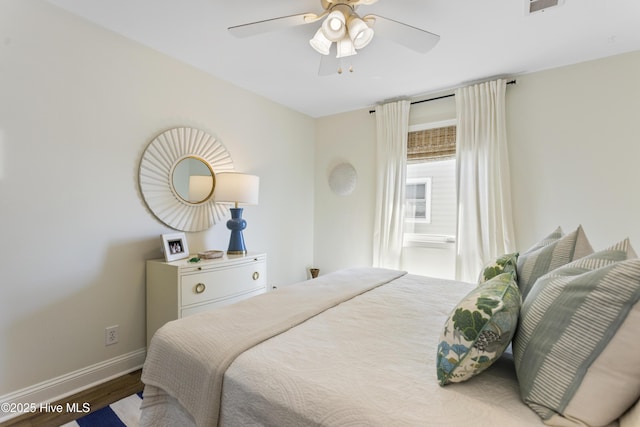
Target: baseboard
x=73 y=382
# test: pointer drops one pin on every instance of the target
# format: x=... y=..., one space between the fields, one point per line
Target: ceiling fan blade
x=259 y=27
x=414 y=38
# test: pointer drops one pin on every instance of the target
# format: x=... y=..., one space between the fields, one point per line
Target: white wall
x=78 y=105
x=574 y=149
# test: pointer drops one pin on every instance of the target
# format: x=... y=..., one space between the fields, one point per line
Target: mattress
x=368 y=360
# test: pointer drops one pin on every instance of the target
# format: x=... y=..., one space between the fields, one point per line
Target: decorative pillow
x=619 y=252
x=478 y=330
x=555 y=235
x=504 y=264
x=576 y=349
x=533 y=264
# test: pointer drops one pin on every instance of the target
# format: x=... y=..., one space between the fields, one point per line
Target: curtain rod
x=510 y=82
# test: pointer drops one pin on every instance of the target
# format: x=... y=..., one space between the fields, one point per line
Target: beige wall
x=343 y=224
x=78 y=105
x=574 y=150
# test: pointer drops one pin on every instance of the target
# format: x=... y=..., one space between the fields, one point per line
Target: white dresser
x=179 y=288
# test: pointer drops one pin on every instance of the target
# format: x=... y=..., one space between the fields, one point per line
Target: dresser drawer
x=194 y=309
x=179 y=288
x=222 y=283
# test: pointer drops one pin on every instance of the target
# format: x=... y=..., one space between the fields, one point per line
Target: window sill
x=414 y=240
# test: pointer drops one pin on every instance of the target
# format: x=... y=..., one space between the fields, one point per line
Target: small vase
x=314 y=272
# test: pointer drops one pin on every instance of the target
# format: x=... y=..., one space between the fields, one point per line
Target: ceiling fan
x=344 y=27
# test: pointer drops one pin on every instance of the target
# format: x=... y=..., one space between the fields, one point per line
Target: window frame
x=427 y=181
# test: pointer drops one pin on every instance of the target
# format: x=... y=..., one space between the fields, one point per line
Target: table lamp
x=237 y=188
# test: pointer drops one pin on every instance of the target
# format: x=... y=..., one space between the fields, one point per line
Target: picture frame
x=174 y=246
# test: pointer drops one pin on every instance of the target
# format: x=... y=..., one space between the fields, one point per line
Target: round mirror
x=193 y=180
x=177 y=178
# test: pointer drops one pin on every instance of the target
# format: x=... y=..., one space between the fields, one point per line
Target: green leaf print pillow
x=504 y=264
x=479 y=329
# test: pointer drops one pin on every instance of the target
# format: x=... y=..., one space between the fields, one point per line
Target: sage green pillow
x=478 y=330
x=538 y=262
x=504 y=264
x=576 y=349
x=546 y=241
x=620 y=251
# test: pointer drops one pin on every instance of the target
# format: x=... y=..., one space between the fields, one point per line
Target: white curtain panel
x=485 y=225
x=392 y=128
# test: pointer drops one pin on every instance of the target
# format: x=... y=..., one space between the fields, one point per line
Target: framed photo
x=175 y=246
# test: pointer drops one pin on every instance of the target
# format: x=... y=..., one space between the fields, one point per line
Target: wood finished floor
x=98 y=397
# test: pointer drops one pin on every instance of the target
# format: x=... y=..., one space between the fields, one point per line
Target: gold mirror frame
x=186 y=187
x=158 y=162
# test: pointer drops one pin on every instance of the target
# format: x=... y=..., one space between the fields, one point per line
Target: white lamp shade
x=359 y=32
x=200 y=188
x=320 y=43
x=237 y=187
x=334 y=27
x=345 y=48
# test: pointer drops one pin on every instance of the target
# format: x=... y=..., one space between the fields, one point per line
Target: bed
x=352 y=348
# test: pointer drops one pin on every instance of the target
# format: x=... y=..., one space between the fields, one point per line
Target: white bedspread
x=369 y=361
x=187 y=358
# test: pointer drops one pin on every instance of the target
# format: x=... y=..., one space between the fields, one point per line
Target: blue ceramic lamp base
x=236 y=224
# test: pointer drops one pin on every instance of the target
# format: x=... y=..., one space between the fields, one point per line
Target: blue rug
x=123 y=413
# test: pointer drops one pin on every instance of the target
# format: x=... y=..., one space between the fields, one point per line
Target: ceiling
x=479 y=40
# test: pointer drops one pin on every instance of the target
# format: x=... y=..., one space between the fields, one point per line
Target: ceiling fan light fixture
x=334 y=26
x=320 y=43
x=359 y=32
x=345 y=48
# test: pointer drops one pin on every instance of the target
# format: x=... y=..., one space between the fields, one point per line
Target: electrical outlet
x=111 y=335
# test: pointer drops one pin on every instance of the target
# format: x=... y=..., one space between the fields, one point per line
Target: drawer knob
x=255 y=275
x=200 y=287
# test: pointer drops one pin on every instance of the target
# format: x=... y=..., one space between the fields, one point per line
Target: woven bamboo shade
x=432 y=144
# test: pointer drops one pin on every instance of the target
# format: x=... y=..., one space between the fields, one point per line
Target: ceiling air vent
x=541 y=5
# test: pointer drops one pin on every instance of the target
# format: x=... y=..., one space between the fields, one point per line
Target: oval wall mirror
x=177 y=178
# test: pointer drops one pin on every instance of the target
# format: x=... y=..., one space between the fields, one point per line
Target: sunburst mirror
x=177 y=178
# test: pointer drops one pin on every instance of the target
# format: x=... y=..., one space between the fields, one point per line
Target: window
x=418 y=200
x=430 y=201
